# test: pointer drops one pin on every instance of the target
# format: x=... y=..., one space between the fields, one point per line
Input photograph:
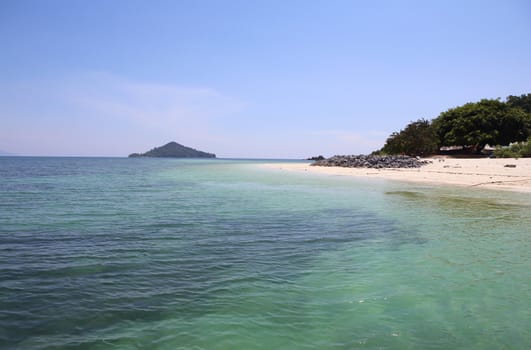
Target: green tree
x=479 y=123
x=417 y=139
x=523 y=102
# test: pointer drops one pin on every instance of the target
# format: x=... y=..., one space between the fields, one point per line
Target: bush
x=516 y=150
x=504 y=152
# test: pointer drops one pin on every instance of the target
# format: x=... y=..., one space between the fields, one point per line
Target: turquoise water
x=215 y=254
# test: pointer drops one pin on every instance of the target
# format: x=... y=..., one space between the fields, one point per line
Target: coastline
x=467 y=172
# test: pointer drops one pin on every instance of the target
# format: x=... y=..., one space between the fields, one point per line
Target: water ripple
x=117 y=253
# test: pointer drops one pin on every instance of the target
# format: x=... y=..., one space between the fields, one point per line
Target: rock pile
x=377 y=162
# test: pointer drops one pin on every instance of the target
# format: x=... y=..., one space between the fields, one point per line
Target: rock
x=371 y=161
x=319 y=157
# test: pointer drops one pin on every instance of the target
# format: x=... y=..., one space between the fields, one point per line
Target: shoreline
x=483 y=173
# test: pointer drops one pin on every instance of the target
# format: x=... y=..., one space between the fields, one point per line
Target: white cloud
x=153 y=105
x=102 y=114
x=299 y=144
x=348 y=141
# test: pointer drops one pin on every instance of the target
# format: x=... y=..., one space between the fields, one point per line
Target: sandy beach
x=479 y=173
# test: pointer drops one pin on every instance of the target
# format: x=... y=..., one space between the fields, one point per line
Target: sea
x=145 y=253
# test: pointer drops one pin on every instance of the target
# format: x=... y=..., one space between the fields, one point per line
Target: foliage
x=523 y=102
x=516 y=150
x=505 y=152
x=476 y=124
x=417 y=139
x=471 y=125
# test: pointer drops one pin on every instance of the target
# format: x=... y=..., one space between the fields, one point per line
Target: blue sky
x=270 y=79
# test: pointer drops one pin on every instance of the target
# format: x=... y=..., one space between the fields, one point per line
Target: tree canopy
x=417 y=139
x=471 y=125
x=523 y=102
x=479 y=123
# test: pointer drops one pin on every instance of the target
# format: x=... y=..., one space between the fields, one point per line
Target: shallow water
x=100 y=253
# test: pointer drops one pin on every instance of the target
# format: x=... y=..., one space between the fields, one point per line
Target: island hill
x=173 y=150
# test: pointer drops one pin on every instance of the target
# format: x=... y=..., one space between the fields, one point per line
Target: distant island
x=173 y=150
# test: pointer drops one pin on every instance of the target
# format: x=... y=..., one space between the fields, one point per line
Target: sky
x=247 y=79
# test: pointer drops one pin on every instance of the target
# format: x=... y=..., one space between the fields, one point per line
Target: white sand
x=479 y=173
